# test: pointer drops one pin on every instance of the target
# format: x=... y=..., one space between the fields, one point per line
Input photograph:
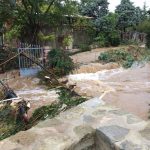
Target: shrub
x=114 y=38
x=67 y=97
x=67 y=40
x=101 y=40
x=145 y=27
x=122 y=56
x=84 y=48
x=128 y=42
x=148 y=40
x=47 y=38
x=44 y=111
x=60 y=61
x=70 y=98
x=108 y=39
x=129 y=61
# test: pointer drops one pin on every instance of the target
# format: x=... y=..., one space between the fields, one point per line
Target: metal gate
x=28 y=67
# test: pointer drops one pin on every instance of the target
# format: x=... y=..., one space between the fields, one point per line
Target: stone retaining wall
x=89 y=126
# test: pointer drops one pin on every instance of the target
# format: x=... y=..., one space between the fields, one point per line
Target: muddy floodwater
x=28 y=88
x=128 y=89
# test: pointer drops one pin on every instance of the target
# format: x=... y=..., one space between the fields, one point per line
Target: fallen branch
x=5 y=62
x=6 y=100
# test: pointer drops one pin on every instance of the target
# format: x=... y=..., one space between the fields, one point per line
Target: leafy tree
x=6 y=10
x=145 y=27
x=138 y=16
x=28 y=17
x=103 y=21
x=108 y=24
x=110 y=34
x=128 y=15
x=144 y=12
x=96 y=9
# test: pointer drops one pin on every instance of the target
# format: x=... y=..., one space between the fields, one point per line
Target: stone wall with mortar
x=92 y=125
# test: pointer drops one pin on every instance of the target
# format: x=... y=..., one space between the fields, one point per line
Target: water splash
x=101 y=75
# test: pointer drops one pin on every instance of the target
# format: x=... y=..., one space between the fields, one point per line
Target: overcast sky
x=114 y=3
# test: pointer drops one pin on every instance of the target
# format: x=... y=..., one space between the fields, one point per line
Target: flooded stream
x=128 y=89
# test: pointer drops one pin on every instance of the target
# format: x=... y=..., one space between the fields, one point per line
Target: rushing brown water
x=95 y=67
x=28 y=88
x=128 y=89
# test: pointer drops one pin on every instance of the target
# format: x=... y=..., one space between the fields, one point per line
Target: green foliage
x=121 y=56
x=84 y=48
x=60 y=61
x=96 y=9
x=69 y=98
x=13 y=33
x=43 y=112
x=67 y=40
x=5 y=54
x=114 y=38
x=8 y=124
x=125 y=57
x=66 y=97
x=109 y=39
x=33 y=16
x=145 y=27
x=128 y=42
x=101 y=40
x=109 y=35
x=145 y=13
x=128 y=15
x=128 y=62
x=148 y=40
x=6 y=10
x=47 y=38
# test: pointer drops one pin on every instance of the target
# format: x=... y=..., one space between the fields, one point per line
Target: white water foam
x=101 y=75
